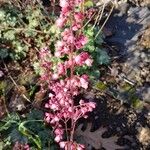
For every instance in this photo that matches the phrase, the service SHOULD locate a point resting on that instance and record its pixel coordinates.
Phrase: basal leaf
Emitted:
(102, 57)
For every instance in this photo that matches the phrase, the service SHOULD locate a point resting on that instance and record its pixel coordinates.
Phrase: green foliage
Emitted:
(3, 53)
(98, 54)
(23, 28)
(30, 130)
(101, 86)
(88, 3)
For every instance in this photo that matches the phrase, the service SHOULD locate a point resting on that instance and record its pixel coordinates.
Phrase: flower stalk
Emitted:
(61, 78)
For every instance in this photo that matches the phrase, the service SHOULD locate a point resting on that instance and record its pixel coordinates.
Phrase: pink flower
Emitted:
(68, 36)
(59, 45)
(76, 26)
(62, 144)
(60, 22)
(66, 11)
(59, 76)
(84, 83)
(55, 76)
(81, 102)
(81, 59)
(19, 146)
(89, 62)
(58, 53)
(66, 50)
(61, 69)
(1, 73)
(77, 2)
(81, 41)
(78, 16)
(57, 139)
(64, 3)
(58, 131)
(72, 145)
(47, 118)
(68, 63)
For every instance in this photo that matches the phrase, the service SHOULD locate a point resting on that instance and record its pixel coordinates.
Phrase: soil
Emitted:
(127, 40)
(130, 46)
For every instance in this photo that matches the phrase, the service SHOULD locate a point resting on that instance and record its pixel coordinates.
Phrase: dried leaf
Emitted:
(144, 135)
(18, 98)
(95, 139)
(38, 98)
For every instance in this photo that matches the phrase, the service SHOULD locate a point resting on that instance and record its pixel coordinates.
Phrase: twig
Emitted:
(6, 109)
(99, 16)
(11, 78)
(105, 22)
(20, 29)
(88, 20)
(125, 78)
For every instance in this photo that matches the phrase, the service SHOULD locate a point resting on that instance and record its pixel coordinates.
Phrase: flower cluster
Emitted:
(60, 75)
(71, 145)
(19, 146)
(1, 74)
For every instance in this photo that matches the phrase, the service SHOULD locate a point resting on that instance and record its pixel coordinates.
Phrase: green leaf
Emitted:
(101, 86)
(2, 15)
(44, 133)
(54, 29)
(30, 33)
(9, 35)
(33, 23)
(16, 136)
(3, 53)
(94, 74)
(88, 3)
(7, 122)
(1, 145)
(29, 134)
(102, 57)
(37, 69)
(89, 31)
(35, 115)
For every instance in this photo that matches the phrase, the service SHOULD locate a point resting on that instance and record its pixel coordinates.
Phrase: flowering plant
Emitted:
(58, 70)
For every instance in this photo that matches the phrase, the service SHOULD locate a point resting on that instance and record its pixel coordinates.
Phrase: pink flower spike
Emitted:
(59, 77)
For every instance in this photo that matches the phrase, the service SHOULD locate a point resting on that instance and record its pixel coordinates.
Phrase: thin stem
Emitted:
(11, 78)
(72, 131)
(6, 109)
(105, 22)
(100, 17)
(20, 29)
(99, 12)
(66, 129)
(88, 21)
